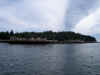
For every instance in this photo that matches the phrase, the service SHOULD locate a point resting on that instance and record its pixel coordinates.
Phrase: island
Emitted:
(45, 37)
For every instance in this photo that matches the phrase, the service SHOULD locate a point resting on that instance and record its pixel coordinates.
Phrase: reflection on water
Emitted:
(52, 59)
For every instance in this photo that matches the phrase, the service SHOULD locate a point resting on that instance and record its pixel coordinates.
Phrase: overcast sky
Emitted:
(82, 16)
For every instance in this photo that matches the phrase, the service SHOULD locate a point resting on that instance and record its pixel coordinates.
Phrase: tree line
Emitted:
(49, 35)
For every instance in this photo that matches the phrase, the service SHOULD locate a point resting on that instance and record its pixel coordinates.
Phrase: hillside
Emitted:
(49, 35)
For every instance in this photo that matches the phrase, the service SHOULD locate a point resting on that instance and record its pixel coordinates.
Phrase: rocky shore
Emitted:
(43, 42)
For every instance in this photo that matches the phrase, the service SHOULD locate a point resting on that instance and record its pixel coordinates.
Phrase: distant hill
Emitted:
(49, 35)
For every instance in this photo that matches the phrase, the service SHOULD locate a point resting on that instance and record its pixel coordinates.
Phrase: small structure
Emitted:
(32, 38)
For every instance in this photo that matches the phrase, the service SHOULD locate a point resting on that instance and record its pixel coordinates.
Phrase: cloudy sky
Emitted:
(81, 16)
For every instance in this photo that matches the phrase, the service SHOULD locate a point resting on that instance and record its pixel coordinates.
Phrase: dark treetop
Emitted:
(49, 35)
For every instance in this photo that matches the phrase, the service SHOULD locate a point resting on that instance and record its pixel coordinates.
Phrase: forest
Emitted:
(49, 35)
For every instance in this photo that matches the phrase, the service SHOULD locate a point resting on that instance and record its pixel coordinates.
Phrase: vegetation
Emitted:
(49, 35)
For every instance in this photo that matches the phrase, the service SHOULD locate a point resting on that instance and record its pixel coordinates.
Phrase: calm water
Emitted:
(52, 59)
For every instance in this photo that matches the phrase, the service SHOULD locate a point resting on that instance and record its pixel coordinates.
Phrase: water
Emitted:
(52, 59)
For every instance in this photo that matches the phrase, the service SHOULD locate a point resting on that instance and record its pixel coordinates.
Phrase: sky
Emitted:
(81, 16)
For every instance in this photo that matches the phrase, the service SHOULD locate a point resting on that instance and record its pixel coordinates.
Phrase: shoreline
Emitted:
(44, 42)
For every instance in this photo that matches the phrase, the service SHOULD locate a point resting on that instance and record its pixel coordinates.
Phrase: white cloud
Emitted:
(89, 24)
(33, 14)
